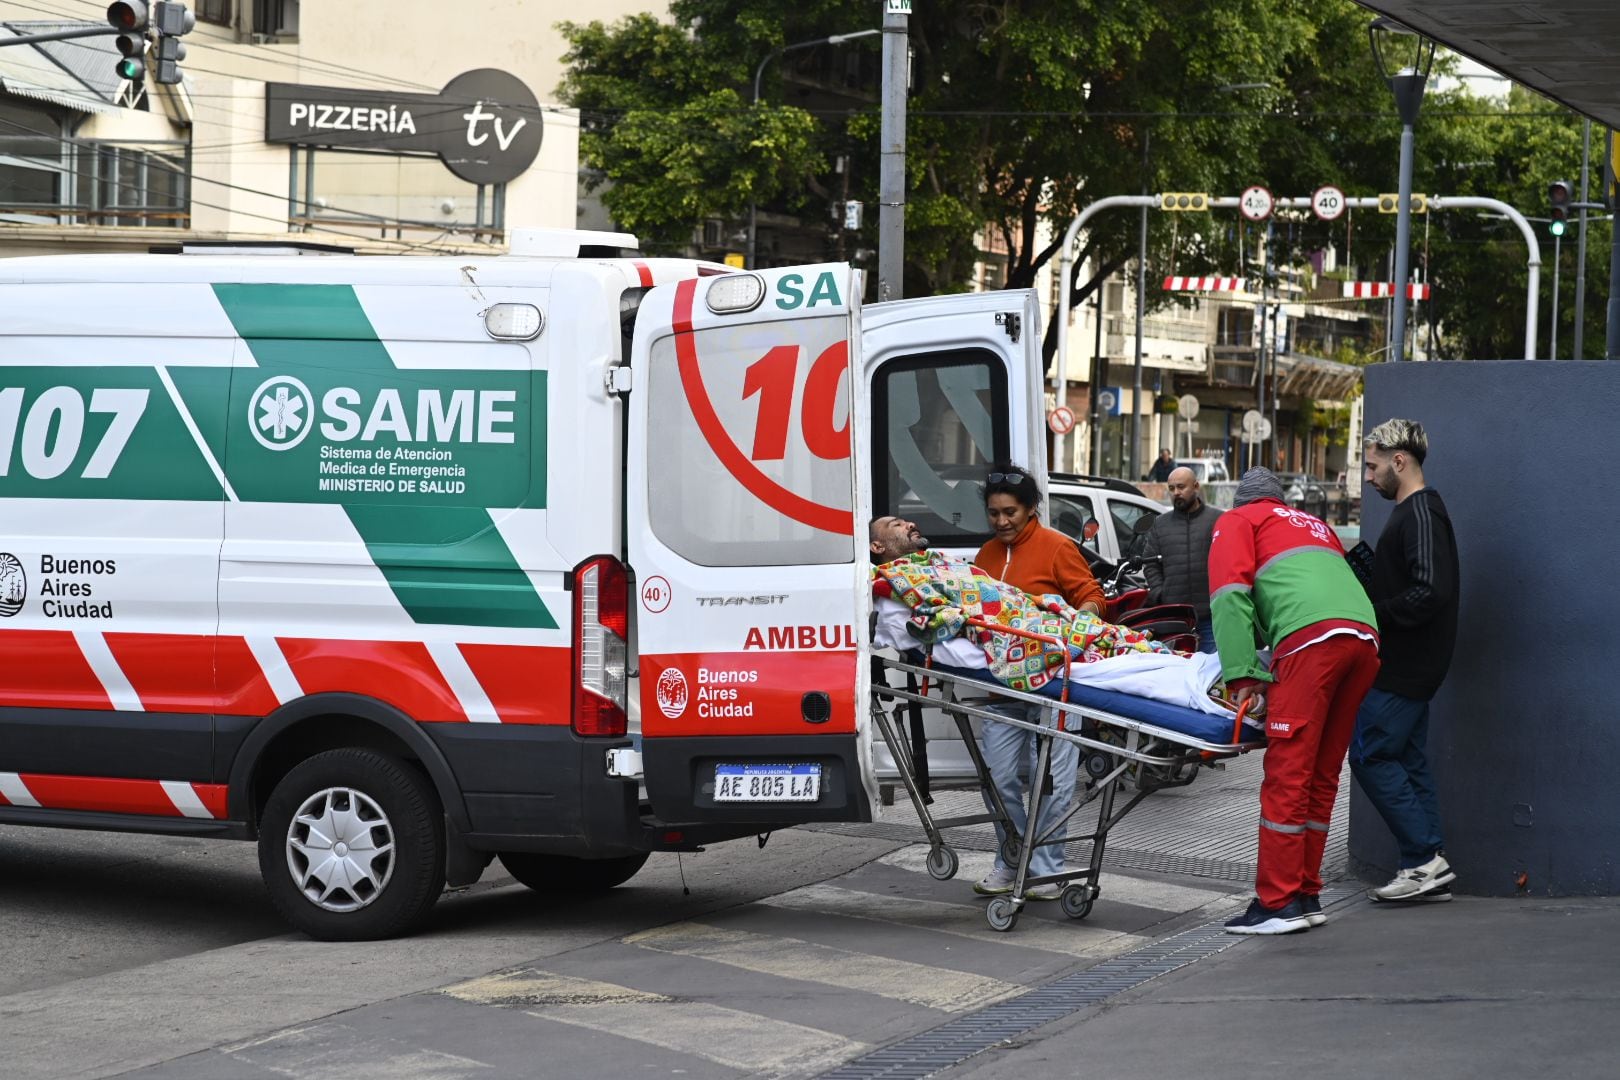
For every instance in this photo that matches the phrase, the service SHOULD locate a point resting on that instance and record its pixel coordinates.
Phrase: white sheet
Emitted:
(1176, 680)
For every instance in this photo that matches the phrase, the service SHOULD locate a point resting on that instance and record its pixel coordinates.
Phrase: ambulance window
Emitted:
(749, 483)
(938, 422)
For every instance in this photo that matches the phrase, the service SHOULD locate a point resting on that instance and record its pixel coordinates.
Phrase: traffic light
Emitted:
(1391, 204)
(172, 22)
(1559, 196)
(130, 18)
(1183, 200)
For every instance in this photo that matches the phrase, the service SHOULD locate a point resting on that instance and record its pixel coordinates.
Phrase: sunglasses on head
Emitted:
(1005, 477)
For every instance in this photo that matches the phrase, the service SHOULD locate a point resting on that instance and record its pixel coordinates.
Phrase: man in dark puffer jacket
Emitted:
(1181, 538)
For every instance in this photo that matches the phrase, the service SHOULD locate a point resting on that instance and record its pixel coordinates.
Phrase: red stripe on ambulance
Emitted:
(169, 672)
(401, 673)
(154, 798)
(515, 678)
(243, 689)
(46, 669)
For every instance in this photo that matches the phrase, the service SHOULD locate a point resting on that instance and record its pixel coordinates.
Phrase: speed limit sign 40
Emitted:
(1328, 203)
(1256, 203)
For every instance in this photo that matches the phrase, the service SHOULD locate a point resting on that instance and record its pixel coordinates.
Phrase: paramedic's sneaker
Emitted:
(1414, 881)
(1312, 907)
(997, 882)
(1044, 892)
(1259, 919)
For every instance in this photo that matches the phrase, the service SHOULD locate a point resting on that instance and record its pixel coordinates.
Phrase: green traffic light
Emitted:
(131, 68)
(1556, 228)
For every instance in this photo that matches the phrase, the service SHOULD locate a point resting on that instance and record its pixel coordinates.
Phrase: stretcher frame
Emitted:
(1125, 744)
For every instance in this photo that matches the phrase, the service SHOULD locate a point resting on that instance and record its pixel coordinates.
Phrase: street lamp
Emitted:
(759, 72)
(1405, 60)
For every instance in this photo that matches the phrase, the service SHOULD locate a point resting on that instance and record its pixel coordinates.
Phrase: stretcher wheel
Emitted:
(942, 863)
(1010, 847)
(1001, 914)
(1098, 765)
(1076, 901)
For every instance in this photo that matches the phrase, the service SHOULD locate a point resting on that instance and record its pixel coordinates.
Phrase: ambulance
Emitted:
(397, 565)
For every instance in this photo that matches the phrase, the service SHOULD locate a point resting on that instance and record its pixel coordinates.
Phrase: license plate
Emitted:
(767, 783)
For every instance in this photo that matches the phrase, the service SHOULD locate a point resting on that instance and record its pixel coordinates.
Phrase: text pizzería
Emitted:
(716, 696)
(65, 598)
(394, 120)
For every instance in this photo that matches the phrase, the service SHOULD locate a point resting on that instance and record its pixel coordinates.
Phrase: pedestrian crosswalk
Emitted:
(788, 986)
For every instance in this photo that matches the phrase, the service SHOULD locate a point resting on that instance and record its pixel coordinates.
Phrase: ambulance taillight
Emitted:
(601, 633)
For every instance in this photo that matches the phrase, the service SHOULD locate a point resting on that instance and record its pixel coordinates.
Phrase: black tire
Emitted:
(413, 872)
(563, 873)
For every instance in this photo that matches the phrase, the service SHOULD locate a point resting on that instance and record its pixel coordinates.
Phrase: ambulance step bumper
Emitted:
(681, 778)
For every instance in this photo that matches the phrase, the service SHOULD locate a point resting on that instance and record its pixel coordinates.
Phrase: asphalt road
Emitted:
(160, 958)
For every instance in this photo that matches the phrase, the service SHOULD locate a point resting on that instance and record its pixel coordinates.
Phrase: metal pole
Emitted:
(1552, 347)
(1403, 237)
(753, 205)
(1060, 385)
(1267, 330)
(1580, 248)
(64, 35)
(892, 160)
(1134, 457)
(1099, 367)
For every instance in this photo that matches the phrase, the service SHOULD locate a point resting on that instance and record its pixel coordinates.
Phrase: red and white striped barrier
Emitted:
(1381, 290)
(1203, 284)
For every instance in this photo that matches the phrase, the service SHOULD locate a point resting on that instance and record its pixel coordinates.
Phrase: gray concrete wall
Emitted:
(1525, 733)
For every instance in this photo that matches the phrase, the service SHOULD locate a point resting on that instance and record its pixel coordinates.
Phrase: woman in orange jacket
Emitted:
(1039, 561)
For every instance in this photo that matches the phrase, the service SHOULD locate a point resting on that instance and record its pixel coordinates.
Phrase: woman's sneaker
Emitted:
(1312, 907)
(998, 882)
(1259, 919)
(1415, 881)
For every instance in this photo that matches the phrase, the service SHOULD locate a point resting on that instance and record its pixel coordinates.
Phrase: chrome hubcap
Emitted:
(340, 849)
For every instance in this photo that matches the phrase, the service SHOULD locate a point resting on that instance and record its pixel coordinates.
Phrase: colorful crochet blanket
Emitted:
(943, 593)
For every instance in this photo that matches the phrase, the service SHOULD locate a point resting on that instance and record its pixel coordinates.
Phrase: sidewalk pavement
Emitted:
(1469, 988)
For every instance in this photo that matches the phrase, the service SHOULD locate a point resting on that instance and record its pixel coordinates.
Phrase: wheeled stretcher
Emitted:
(1119, 735)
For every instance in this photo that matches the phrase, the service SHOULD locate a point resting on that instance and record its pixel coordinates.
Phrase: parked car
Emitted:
(1101, 514)
(1206, 470)
(1305, 493)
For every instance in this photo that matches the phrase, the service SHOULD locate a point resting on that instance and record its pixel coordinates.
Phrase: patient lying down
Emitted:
(926, 599)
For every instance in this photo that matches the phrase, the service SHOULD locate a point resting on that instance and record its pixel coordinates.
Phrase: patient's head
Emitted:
(893, 537)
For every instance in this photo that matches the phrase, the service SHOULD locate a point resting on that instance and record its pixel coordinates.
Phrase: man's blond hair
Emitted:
(1406, 436)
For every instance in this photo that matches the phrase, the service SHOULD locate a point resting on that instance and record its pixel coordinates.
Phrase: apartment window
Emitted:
(272, 17)
(213, 11)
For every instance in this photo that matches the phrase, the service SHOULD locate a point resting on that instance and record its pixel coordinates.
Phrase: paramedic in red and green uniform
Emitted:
(1279, 575)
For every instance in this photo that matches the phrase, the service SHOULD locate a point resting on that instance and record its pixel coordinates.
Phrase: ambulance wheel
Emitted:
(351, 846)
(1076, 901)
(942, 863)
(1001, 914)
(564, 873)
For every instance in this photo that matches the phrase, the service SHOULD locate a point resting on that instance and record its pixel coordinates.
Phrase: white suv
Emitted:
(1122, 513)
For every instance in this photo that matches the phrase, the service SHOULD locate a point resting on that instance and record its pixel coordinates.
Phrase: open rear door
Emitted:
(742, 520)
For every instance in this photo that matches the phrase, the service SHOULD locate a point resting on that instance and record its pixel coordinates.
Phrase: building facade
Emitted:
(397, 126)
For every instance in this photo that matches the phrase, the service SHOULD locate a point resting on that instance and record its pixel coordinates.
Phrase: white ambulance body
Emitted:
(362, 557)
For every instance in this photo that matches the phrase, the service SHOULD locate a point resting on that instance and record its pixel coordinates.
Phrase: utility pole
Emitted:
(1580, 248)
(892, 151)
(1558, 245)
(1141, 314)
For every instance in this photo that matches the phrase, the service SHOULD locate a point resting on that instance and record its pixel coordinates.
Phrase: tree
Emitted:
(1022, 111)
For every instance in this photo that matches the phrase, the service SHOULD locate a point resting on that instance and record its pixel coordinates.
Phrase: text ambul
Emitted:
(777, 638)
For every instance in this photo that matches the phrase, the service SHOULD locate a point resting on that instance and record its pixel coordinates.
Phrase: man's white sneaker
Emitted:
(1044, 892)
(1415, 881)
(998, 882)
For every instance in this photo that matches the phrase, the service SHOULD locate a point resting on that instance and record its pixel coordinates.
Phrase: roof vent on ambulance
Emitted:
(573, 244)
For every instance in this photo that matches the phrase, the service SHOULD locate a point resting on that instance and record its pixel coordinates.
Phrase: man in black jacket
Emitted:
(1414, 595)
(1181, 539)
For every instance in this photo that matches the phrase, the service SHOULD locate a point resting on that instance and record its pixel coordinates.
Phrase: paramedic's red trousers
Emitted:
(1310, 717)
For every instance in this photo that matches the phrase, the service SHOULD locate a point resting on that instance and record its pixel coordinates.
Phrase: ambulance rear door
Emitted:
(749, 578)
